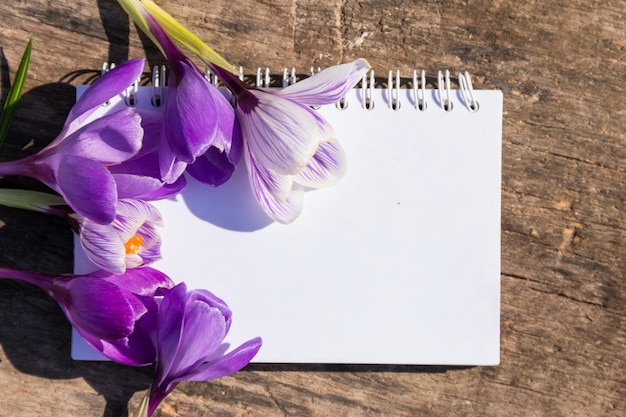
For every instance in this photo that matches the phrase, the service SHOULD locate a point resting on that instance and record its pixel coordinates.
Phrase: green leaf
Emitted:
(15, 93)
(30, 200)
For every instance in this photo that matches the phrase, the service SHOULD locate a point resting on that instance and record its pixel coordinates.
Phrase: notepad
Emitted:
(399, 263)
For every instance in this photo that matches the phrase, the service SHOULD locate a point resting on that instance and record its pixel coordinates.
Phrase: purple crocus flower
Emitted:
(75, 163)
(191, 327)
(116, 314)
(197, 118)
(287, 145)
(130, 241)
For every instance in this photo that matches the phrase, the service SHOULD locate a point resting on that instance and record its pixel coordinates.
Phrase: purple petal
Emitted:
(152, 124)
(327, 166)
(111, 139)
(228, 137)
(236, 144)
(213, 168)
(144, 165)
(140, 178)
(141, 281)
(266, 186)
(212, 300)
(327, 86)
(171, 168)
(88, 187)
(136, 186)
(99, 308)
(227, 364)
(165, 191)
(109, 85)
(133, 351)
(196, 113)
(169, 329)
(204, 329)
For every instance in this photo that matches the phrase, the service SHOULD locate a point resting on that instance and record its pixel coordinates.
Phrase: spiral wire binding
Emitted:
(263, 81)
(287, 78)
(394, 93)
(467, 91)
(443, 91)
(419, 91)
(367, 99)
(368, 84)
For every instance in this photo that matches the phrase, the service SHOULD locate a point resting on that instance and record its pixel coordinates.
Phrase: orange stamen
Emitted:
(133, 244)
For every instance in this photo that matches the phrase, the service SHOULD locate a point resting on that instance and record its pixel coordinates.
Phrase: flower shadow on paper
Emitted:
(232, 205)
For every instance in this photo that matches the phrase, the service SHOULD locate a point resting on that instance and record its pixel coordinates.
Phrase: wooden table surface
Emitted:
(561, 67)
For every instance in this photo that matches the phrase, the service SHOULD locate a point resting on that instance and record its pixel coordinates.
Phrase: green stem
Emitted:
(142, 411)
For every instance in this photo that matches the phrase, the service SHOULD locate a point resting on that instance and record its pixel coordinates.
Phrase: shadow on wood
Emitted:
(35, 337)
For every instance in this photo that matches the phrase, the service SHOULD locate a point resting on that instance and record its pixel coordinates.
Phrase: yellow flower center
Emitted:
(133, 244)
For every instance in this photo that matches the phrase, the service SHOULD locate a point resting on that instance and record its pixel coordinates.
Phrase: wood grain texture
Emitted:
(561, 66)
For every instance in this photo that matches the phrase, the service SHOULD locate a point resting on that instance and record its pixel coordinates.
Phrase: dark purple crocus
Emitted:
(115, 314)
(197, 118)
(191, 328)
(76, 163)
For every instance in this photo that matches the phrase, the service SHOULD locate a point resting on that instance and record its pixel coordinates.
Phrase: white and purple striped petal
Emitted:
(327, 86)
(130, 241)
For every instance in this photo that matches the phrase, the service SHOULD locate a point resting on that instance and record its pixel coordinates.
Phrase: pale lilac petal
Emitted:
(150, 255)
(149, 233)
(132, 261)
(327, 86)
(111, 139)
(132, 214)
(281, 134)
(102, 246)
(266, 185)
(267, 182)
(328, 165)
(109, 85)
(227, 364)
(88, 187)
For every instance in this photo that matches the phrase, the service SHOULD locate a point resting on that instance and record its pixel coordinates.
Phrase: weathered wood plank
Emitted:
(561, 66)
